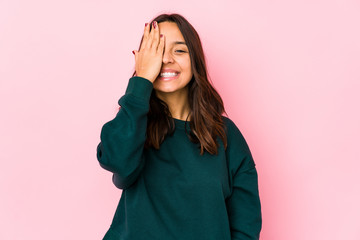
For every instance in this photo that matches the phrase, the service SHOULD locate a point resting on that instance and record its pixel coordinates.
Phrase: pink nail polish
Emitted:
(154, 24)
(146, 24)
(161, 35)
(133, 52)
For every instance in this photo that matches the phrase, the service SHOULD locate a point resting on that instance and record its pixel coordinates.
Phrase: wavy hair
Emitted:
(206, 105)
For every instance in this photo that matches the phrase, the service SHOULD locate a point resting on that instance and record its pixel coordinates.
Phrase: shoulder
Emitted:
(237, 147)
(234, 134)
(229, 124)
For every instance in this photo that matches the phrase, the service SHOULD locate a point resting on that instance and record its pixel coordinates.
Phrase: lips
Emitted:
(168, 70)
(168, 74)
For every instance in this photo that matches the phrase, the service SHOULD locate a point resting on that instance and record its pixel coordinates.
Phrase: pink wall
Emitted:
(288, 72)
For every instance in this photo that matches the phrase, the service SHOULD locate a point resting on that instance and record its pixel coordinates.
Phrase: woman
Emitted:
(185, 170)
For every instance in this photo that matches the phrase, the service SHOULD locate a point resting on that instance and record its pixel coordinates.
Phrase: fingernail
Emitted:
(161, 35)
(133, 52)
(146, 24)
(154, 24)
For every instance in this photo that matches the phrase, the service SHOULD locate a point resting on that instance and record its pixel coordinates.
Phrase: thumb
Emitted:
(135, 52)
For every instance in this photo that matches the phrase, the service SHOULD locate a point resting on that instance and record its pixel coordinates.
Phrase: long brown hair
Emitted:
(206, 105)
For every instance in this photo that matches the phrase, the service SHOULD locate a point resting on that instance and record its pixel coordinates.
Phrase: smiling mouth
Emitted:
(164, 76)
(168, 74)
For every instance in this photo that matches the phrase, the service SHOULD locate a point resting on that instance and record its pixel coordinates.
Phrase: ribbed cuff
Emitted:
(140, 87)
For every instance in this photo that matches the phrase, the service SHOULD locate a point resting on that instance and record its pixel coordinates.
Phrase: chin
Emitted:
(165, 90)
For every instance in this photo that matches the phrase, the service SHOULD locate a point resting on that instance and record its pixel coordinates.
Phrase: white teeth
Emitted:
(168, 74)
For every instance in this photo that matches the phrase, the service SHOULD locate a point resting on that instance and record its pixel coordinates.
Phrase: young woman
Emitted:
(185, 170)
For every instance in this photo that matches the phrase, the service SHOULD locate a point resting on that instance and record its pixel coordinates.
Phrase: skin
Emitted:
(159, 52)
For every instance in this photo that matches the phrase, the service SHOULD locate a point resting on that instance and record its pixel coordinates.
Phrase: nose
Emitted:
(167, 57)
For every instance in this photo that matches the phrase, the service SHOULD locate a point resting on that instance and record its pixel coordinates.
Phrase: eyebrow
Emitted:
(178, 42)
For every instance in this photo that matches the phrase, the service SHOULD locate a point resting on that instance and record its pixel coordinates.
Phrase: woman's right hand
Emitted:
(148, 59)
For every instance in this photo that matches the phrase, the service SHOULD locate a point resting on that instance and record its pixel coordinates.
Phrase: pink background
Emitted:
(288, 72)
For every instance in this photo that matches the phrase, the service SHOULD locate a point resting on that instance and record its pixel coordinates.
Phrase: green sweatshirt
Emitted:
(175, 193)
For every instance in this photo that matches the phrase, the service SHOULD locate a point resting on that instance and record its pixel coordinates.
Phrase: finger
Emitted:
(156, 36)
(151, 35)
(146, 29)
(135, 52)
(135, 55)
(160, 48)
(145, 36)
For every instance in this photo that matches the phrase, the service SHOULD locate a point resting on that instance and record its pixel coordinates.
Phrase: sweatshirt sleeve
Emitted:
(122, 139)
(243, 205)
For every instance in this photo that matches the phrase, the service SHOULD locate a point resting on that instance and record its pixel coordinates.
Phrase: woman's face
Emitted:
(175, 72)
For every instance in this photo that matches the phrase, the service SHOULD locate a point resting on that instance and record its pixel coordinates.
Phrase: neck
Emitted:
(177, 102)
